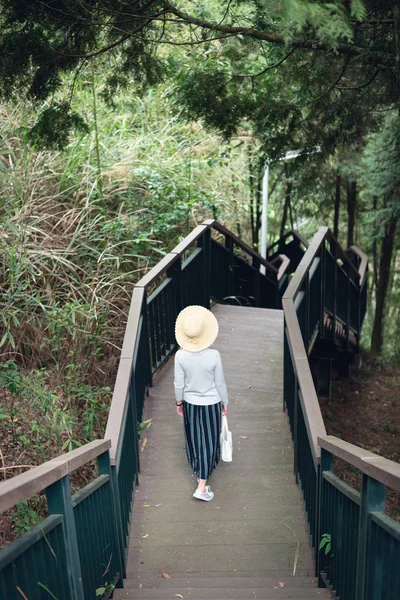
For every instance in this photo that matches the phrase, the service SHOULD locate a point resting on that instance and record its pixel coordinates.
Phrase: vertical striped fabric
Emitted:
(202, 430)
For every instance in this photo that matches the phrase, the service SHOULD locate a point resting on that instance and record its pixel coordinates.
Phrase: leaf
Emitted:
(166, 575)
(146, 505)
(143, 444)
(145, 536)
(328, 548)
(140, 585)
(47, 590)
(280, 585)
(325, 541)
(244, 437)
(179, 595)
(158, 504)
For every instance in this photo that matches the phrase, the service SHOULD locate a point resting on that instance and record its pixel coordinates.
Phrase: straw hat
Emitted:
(196, 328)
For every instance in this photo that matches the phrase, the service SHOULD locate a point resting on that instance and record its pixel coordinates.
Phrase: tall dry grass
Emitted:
(77, 229)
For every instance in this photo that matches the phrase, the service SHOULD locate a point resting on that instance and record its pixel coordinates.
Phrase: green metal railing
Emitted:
(364, 558)
(324, 306)
(73, 551)
(293, 245)
(82, 545)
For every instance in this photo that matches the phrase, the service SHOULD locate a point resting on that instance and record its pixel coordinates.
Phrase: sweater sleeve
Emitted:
(220, 381)
(179, 378)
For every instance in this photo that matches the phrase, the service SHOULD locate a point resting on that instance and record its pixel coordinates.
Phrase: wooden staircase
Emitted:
(267, 585)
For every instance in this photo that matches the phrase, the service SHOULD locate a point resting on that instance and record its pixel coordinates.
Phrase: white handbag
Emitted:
(226, 441)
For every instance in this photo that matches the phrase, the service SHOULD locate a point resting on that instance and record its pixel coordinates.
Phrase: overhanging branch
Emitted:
(274, 38)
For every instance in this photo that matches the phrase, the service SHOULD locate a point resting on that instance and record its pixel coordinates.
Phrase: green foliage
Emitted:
(24, 517)
(326, 542)
(381, 164)
(104, 589)
(69, 257)
(53, 128)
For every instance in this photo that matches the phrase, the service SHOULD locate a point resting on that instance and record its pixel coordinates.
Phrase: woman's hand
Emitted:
(225, 410)
(179, 409)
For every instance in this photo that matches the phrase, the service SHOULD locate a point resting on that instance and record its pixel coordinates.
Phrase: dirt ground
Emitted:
(365, 410)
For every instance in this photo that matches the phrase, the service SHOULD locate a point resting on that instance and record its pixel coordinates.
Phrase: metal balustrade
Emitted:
(326, 300)
(82, 545)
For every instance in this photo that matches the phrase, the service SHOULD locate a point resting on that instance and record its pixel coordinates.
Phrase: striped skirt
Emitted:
(202, 430)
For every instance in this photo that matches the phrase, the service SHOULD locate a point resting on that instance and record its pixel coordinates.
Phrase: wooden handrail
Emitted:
(31, 482)
(285, 261)
(167, 261)
(295, 234)
(312, 412)
(35, 480)
(363, 264)
(122, 382)
(218, 227)
(382, 469)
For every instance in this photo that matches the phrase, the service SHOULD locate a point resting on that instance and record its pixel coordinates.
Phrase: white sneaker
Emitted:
(207, 495)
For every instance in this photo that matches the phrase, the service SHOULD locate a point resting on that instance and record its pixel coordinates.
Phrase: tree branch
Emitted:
(359, 87)
(268, 67)
(346, 49)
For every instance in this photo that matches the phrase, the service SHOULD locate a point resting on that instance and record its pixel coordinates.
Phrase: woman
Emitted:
(199, 392)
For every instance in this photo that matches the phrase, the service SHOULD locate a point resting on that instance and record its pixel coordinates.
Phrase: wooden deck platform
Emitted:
(253, 533)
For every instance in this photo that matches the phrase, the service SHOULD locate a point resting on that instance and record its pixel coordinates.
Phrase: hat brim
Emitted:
(207, 336)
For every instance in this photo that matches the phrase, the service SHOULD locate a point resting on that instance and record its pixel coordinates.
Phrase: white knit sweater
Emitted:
(199, 377)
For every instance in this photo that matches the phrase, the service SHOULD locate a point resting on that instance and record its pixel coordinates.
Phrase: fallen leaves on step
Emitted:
(145, 536)
(166, 575)
(143, 444)
(146, 505)
(244, 437)
(179, 595)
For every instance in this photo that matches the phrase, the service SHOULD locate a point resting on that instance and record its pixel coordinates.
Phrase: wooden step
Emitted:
(221, 582)
(227, 593)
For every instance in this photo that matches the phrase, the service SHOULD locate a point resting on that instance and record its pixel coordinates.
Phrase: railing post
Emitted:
(105, 469)
(307, 301)
(256, 281)
(325, 465)
(114, 477)
(59, 503)
(175, 273)
(229, 246)
(204, 243)
(348, 307)
(373, 499)
(334, 302)
(145, 325)
(296, 403)
(322, 292)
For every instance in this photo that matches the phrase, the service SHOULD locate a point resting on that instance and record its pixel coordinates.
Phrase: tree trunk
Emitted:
(286, 207)
(351, 211)
(254, 233)
(258, 211)
(383, 284)
(375, 250)
(337, 207)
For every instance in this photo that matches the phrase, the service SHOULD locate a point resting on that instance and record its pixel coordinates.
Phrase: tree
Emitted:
(42, 41)
(382, 178)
